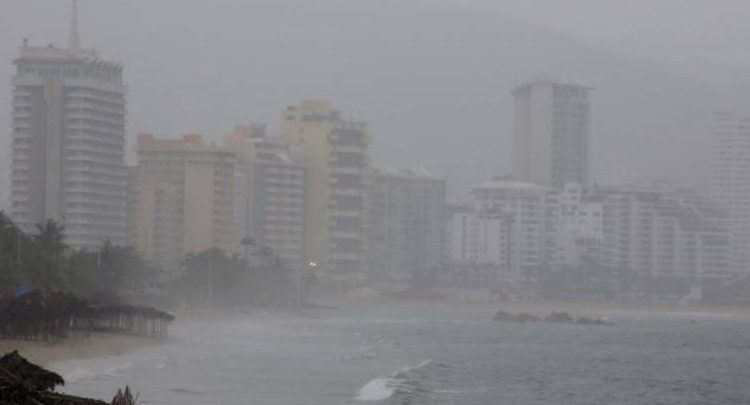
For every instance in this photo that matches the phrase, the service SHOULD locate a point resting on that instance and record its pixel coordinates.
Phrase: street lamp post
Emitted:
(299, 279)
(210, 279)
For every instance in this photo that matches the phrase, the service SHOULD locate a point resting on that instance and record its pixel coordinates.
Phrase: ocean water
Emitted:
(431, 354)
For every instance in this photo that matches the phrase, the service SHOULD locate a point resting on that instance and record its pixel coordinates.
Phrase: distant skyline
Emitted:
(433, 79)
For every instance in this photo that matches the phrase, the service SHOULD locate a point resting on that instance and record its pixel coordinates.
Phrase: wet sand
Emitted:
(94, 345)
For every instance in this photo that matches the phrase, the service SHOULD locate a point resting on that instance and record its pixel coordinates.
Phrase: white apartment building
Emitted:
(511, 231)
(659, 231)
(650, 231)
(581, 230)
(68, 134)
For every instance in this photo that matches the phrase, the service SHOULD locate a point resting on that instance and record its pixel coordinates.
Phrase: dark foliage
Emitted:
(43, 261)
(215, 279)
(25, 383)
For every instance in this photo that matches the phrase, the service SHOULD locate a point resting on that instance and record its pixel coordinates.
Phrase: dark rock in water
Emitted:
(584, 321)
(559, 317)
(554, 317)
(591, 321)
(502, 316)
(526, 317)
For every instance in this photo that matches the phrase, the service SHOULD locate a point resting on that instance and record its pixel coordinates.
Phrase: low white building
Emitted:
(515, 230)
(661, 231)
(580, 225)
(509, 236)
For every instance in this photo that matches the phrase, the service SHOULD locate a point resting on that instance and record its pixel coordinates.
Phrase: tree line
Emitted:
(43, 261)
(212, 278)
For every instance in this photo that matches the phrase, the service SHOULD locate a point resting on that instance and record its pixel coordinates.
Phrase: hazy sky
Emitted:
(433, 78)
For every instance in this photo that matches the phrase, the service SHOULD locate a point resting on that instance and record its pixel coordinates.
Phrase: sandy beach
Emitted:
(94, 345)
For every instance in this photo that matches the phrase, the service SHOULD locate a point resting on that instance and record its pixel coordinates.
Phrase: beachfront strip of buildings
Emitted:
(311, 194)
(515, 232)
(308, 193)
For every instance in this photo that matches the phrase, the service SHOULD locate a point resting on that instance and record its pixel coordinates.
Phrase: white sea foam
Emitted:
(378, 389)
(79, 374)
(86, 373)
(381, 388)
(421, 365)
(118, 370)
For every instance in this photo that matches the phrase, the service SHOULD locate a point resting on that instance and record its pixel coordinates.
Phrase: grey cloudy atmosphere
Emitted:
(432, 78)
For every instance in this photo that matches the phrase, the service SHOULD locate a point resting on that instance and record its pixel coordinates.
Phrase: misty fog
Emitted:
(433, 78)
(375, 201)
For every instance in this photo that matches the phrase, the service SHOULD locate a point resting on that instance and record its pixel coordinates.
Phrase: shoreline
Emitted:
(76, 348)
(98, 344)
(544, 307)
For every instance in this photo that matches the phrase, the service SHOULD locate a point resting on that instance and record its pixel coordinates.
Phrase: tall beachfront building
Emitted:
(731, 185)
(68, 137)
(275, 178)
(337, 153)
(183, 198)
(551, 134)
(405, 223)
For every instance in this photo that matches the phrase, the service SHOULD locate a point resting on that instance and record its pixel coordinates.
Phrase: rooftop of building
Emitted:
(73, 52)
(548, 82)
(509, 183)
(187, 143)
(414, 172)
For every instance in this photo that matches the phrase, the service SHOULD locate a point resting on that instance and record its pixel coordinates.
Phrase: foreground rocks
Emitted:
(25, 383)
(554, 317)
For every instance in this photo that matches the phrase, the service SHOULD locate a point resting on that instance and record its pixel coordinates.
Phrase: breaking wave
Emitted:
(86, 374)
(378, 389)
(407, 386)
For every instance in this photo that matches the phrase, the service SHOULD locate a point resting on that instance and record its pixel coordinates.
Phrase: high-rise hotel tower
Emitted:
(337, 155)
(731, 185)
(68, 135)
(551, 134)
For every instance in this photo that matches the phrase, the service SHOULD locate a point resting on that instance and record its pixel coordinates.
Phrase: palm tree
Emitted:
(49, 242)
(121, 267)
(10, 245)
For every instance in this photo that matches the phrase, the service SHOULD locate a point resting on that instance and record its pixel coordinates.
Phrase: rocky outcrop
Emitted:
(592, 321)
(523, 317)
(554, 317)
(559, 317)
(25, 383)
